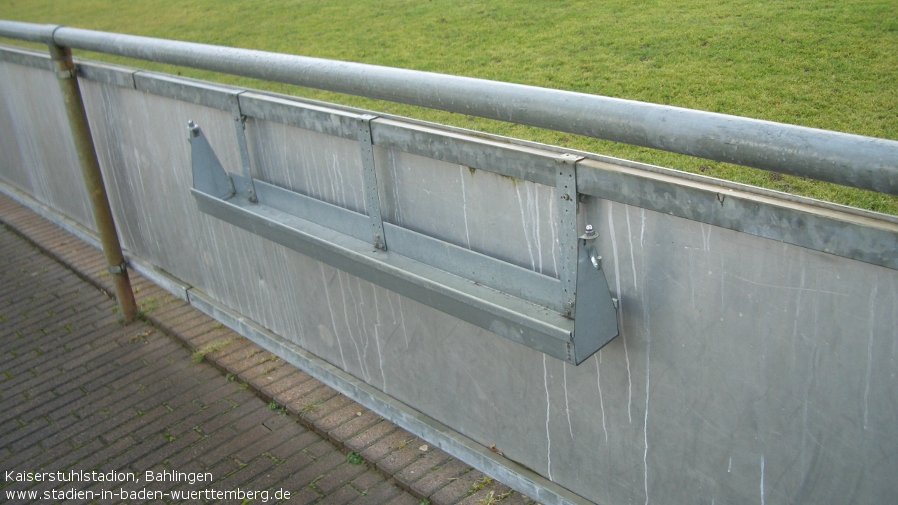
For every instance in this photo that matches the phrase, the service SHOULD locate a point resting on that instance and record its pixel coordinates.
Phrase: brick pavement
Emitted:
(177, 391)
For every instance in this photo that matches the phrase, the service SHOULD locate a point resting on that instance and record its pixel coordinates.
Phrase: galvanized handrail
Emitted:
(841, 158)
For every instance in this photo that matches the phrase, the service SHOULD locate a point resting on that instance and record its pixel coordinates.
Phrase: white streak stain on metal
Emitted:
(632, 251)
(364, 324)
(869, 355)
(524, 226)
(812, 368)
(533, 204)
(464, 200)
(567, 406)
(553, 226)
(791, 288)
(648, 372)
(762, 479)
(797, 309)
(706, 238)
(730, 466)
(380, 357)
(598, 357)
(620, 311)
(330, 309)
(402, 320)
(548, 436)
(362, 368)
(395, 187)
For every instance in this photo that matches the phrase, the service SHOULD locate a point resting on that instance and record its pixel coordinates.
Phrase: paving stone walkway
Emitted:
(178, 395)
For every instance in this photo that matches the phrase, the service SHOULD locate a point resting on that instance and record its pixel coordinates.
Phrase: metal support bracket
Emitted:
(372, 198)
(246, 163)
(67, 74)
(118, 269)
(596, 322)
(508, 300)
(208, 174)
(566, 191)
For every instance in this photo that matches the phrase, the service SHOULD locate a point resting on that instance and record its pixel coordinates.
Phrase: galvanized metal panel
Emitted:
(107, 74)
(861, 236)
(322, 166)
(520, 162)
(217, 96)
(499, 216)
(25, 57)
(144, 182)
(38, 152)
(746, 368)
(293, 112)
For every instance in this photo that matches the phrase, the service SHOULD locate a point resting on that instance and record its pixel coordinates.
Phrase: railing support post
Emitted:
(93, 179)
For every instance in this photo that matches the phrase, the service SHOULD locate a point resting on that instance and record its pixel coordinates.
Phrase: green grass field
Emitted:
(823, 64)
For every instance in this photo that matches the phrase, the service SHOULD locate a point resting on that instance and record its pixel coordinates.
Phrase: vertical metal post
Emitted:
(566, 190)
(372, 198)
(93, 178)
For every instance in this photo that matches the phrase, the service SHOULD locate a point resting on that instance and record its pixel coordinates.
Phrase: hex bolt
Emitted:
(589, 229)
(565, 197)
(194, 129)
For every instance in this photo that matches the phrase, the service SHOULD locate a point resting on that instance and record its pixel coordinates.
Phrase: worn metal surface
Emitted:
(438, 434)
(38, 152)
(852, 160)
(747, 369)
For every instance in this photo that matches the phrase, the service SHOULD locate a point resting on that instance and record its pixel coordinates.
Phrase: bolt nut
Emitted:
(194, 129)
(565, 197)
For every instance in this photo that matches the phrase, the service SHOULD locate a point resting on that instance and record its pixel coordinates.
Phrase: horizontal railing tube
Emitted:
(841, 158)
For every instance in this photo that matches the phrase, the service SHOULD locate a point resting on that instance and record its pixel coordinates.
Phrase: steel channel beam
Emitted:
(517, 281)
(852, 160)
(534, 326)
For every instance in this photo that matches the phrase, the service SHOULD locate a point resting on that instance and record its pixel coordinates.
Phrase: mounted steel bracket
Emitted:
(513, 302)
(208, 174)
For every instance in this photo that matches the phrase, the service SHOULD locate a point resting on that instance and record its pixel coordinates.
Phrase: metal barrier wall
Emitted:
(757, 348)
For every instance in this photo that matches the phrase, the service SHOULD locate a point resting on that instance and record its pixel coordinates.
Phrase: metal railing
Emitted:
(841, 158)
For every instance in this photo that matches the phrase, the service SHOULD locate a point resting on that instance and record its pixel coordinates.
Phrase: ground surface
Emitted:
(178, 392)
(817, 63)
